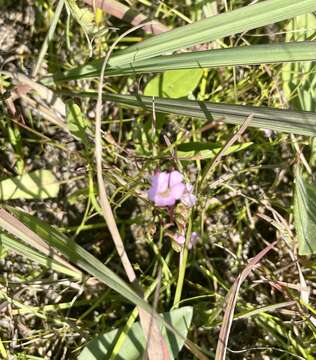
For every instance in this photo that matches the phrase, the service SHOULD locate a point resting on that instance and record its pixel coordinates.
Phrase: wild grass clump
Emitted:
(157, 180)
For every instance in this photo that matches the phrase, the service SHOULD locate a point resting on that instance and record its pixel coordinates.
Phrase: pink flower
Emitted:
(166, 188)
(180, 239)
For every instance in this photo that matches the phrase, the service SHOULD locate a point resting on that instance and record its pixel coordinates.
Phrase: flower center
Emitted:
(165, 193)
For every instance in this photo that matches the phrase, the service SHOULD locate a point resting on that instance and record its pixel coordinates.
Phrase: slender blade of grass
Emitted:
(209, 29)
(296, 122)
(246, 55)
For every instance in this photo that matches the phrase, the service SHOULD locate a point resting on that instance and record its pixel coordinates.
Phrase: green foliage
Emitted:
(135, 342)
(77, 255)
(174, 84)
(299, 79)
(296, 122)
(77, 124)
(210, 29)
(305, 215)
(231, 214)
(239, 55)
(204, 151)
(82, 15)
(38, 184)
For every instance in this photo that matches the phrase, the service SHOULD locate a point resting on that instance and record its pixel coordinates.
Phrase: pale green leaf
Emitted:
(305, 215)
(77, 123)
(299, 79)
(135, 343)
(82, 15)
(202, 151)
(38, 184)
(174, 83)
(76, 254)
(8, 242)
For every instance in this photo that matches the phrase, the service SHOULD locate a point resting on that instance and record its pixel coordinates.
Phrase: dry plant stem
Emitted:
(127, 14)
(157, 348)
(231, 300)
(229, 143)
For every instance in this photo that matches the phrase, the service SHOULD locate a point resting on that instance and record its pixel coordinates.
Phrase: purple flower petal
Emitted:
(175, 178)
(159, 183)
(177, 190)
(162, 181)
(164, 200)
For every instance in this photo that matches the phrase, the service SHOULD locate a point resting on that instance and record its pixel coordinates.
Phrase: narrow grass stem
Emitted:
(211, 165)
(183, 265)
(48, 37)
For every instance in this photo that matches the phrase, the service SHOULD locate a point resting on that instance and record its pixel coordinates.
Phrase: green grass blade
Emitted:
(16, 245)
(247, 55)
(209, 29)
(305, 215)
(78, 256)
(296, 122)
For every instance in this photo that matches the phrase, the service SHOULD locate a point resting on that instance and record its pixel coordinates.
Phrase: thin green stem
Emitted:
(183, 265)
(48, 37)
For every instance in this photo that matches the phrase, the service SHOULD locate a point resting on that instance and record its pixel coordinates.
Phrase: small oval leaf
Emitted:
(174, 83)
(38, 184)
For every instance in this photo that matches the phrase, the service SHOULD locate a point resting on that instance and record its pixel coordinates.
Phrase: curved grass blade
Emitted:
(16, 245)
(247, 55)
(71, 251)
(22, 222)
(296, 122)
(209, 29)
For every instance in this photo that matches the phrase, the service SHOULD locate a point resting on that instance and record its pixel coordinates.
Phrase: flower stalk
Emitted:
(183, 264)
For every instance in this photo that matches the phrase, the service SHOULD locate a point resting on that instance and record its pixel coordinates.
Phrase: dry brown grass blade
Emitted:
(231, 300)
(14, 226)
(156, 348)
(128, 15)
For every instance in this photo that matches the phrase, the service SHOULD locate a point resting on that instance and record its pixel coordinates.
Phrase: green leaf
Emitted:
(296, 122)
(209, 29)
(135, 343)
(305, 215)
(74, 253)
(77, 124)
(83, 16)
(39, 184)
(245, 55)
(299, 79)
(10, 243)
(174, 84)
(202, 151)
